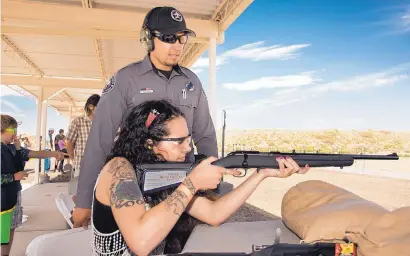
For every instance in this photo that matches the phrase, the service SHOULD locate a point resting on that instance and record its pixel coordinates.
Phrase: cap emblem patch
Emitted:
(176, 15)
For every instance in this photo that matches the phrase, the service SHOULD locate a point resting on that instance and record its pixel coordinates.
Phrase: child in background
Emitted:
(61, 146)
(13, 158)
(12, 166)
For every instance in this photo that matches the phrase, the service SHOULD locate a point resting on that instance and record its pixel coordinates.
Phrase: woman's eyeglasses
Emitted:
(172, 38)
(180, 140)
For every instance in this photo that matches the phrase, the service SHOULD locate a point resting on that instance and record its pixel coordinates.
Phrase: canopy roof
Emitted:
(67, 49)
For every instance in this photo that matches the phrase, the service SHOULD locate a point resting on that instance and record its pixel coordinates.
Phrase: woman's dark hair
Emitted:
(92, 100)
(131, 142)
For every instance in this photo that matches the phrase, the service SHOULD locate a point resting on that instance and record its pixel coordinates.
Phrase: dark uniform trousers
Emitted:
(130, 86)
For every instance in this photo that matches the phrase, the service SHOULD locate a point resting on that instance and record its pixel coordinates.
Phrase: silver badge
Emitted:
(110, 85)
(176, 15)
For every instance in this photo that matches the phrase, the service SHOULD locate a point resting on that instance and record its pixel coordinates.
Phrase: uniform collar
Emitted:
(146, 66)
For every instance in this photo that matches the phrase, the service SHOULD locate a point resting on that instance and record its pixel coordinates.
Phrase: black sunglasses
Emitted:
(180, 140)
(172, 38)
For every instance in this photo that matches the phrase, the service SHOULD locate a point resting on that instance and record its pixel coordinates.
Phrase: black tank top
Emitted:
(104, 223)
(103, 219)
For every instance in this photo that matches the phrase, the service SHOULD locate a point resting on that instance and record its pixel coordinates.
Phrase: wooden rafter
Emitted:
(28, 63)
(97, 45)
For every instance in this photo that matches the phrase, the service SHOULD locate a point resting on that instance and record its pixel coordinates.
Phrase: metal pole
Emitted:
(38, 132)
(44, 133)
(212, 77)
(223, 132)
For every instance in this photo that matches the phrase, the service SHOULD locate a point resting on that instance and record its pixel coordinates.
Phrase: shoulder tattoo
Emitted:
(124, 189)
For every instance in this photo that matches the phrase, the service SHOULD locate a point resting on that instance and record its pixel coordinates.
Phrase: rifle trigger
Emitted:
(245, 161)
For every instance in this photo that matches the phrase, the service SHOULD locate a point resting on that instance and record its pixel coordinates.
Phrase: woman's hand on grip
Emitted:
(207, 176)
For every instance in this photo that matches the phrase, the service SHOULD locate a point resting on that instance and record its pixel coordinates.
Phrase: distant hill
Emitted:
(326, 141)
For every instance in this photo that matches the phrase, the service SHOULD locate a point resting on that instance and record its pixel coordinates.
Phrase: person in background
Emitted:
(26, 142)
(13, 158)
(62, 147)
(56, 147)
(77, 138)
(50, 135)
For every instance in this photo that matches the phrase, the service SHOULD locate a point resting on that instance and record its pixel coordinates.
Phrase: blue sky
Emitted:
(303, 64)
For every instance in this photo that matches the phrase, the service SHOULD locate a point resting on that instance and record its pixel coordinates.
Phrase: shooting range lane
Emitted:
(388, 192)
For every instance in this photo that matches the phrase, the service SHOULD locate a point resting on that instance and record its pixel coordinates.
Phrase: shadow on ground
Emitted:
(251, 213)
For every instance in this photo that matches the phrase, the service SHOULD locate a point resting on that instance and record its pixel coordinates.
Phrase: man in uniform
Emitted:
(158, 76)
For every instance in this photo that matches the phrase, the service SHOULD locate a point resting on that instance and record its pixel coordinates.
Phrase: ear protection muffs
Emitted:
(146, 38)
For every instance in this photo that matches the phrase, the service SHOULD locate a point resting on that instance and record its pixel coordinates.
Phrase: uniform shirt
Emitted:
(130, 86)
(78, 134)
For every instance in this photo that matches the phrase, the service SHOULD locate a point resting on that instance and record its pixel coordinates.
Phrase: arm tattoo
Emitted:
(188, 183)
(124, 190)
(175, 202)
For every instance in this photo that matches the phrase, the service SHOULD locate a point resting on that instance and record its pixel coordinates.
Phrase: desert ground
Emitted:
(391, 193)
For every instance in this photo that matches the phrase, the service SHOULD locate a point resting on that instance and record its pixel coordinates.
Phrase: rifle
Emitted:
(161, 176)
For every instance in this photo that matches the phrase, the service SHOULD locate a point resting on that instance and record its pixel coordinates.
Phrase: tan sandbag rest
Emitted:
(387, 235)
(319, 211)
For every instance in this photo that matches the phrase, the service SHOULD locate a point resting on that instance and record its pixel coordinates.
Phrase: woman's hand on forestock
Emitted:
(287, 167)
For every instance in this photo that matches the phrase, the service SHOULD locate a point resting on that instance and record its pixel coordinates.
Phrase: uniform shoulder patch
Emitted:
(110, 85)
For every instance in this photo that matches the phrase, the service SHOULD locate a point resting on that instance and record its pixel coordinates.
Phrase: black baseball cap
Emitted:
(167, 20)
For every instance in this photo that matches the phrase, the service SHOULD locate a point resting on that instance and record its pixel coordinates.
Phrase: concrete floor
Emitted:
(43, 215)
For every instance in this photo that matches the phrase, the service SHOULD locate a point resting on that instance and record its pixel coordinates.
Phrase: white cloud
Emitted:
(254, 51)
(405, 21)
(12, 106)
(197, 70)
(396, 22)
(203, 62)
(359, 83)
(6, 91)
(302, 79)
(257, 52)
(13, 114)
(287, 96)
(12, 109)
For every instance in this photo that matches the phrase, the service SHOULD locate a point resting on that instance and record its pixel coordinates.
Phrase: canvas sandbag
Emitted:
(319, 211)
(386, 235)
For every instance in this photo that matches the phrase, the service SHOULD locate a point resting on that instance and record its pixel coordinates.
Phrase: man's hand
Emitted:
(81, 217)
(59, 155)
(21, 175)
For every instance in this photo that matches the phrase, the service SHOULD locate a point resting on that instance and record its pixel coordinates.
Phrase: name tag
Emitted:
(160, 180)
(146, 90)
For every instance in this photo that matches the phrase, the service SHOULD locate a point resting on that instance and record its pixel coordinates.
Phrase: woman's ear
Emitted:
(149, 144)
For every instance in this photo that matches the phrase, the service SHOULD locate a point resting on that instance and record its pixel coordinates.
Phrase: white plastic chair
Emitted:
(65, 205)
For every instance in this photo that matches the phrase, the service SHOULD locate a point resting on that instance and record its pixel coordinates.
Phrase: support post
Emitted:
(38, 133)
(70, 118)
(212, 78)
(44, 133)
